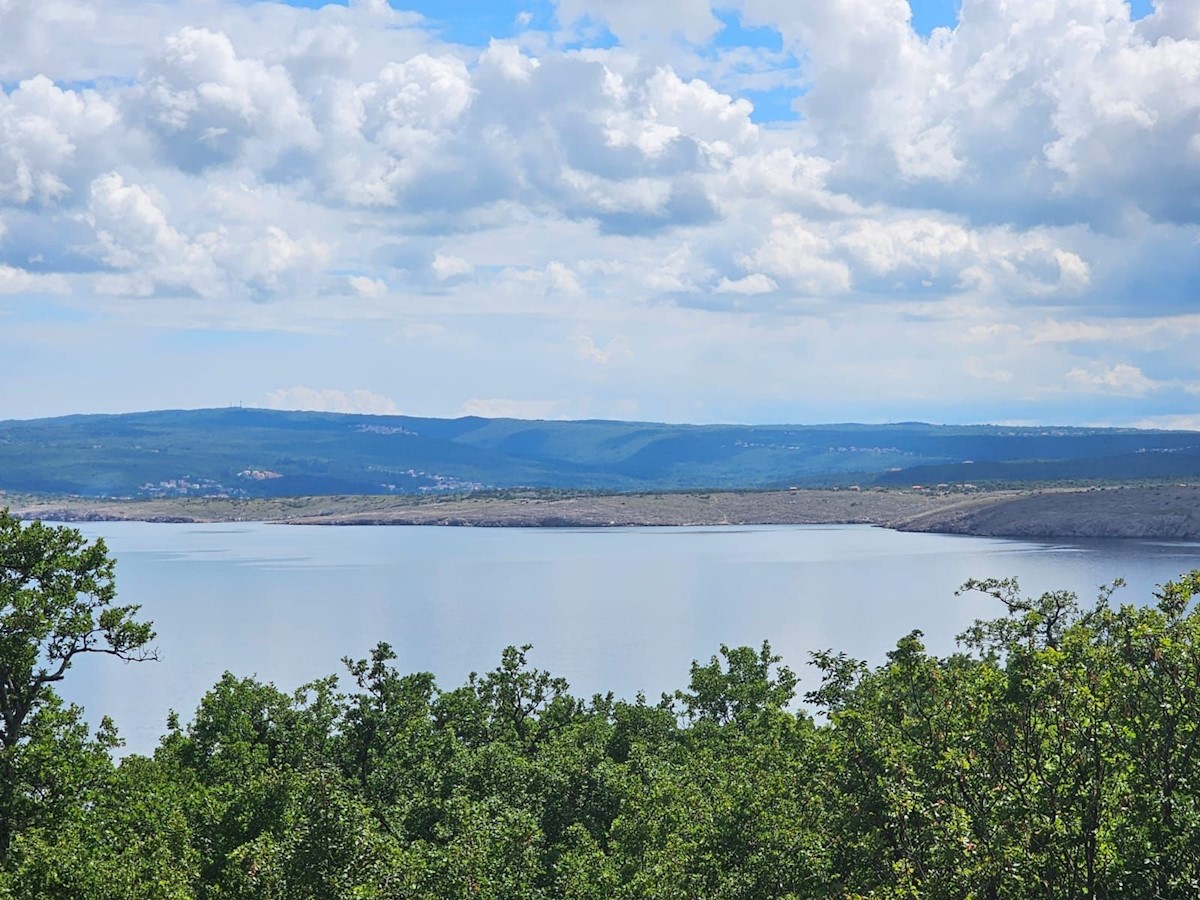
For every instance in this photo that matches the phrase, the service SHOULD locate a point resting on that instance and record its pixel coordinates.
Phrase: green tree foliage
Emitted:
(125, 837)
(56, 604)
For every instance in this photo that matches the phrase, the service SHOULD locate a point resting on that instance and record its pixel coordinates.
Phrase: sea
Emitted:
(621, 610)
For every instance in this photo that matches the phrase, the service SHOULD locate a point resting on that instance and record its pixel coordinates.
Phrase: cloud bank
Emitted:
(995, 220)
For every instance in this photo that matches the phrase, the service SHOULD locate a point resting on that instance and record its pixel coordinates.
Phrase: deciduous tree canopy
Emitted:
(56, 603)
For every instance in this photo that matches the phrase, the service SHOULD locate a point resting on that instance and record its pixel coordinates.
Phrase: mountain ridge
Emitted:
(247, 452)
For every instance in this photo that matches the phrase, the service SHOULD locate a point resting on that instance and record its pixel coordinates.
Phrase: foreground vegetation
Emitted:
(1054, 756)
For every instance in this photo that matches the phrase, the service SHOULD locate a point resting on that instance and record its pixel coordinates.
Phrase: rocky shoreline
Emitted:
(1146, 512)
(1163, 512)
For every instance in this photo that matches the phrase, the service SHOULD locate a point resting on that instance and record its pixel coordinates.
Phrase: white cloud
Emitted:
(49, 139)
(1025, 104)
(424, 92)
(20, 281)
(267, 263)
(930, 154)
(379, 136)
(208, 105)
(927, 244)
(447, 265)
(694, 108)
(1174, 422)
(135, 237)
(797, 180)
(133, 234)
(1121, 378)
(756, 283)
(509, 61)
(368, 287)
(819, 256)
(801, 257)
(331, 400)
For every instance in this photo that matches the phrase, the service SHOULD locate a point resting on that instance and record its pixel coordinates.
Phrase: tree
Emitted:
(56, 603)
(740, 691)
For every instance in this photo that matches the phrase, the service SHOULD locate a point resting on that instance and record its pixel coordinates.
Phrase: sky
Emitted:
(690, 211)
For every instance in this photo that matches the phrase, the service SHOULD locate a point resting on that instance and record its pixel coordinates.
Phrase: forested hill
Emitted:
(263, 453)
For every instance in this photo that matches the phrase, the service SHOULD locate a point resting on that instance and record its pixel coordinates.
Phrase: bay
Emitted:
(609, 609)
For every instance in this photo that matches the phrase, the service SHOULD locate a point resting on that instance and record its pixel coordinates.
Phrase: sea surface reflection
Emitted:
(610, 609)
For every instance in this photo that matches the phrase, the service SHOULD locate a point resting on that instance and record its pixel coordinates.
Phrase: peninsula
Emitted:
(1154, 511)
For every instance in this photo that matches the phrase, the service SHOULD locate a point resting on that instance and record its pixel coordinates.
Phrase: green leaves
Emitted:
(56, 595)
(738, 688)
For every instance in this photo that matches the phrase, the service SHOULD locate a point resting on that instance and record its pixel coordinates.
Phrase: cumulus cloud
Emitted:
(1121, 378)
(50, 138)
(756, 283)
(20, 281)
(822, 257)
(379, 136)
(666, 108)
(802, 257)
(134, 235)
(208, 105)
(366, 286)
(137, 240)
(331, 400)
(447, 265)
(1025, 107)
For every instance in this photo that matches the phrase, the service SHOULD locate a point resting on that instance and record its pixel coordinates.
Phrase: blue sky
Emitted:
(753, 210)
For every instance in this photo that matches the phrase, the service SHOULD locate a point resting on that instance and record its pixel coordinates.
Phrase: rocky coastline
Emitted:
(1158, 512)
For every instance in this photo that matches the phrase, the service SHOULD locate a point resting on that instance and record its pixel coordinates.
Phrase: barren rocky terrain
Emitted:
(531, 509)
(1164, 512)
(1168, 512)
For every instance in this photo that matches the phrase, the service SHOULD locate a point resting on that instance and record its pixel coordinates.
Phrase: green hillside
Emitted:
(265, 453)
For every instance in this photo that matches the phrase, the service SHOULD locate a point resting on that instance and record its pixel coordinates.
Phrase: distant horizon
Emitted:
(714, 424)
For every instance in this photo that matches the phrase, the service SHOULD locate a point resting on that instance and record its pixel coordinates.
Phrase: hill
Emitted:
(255, 453)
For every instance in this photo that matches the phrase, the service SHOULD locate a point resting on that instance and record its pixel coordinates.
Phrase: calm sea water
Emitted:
(609, 609)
